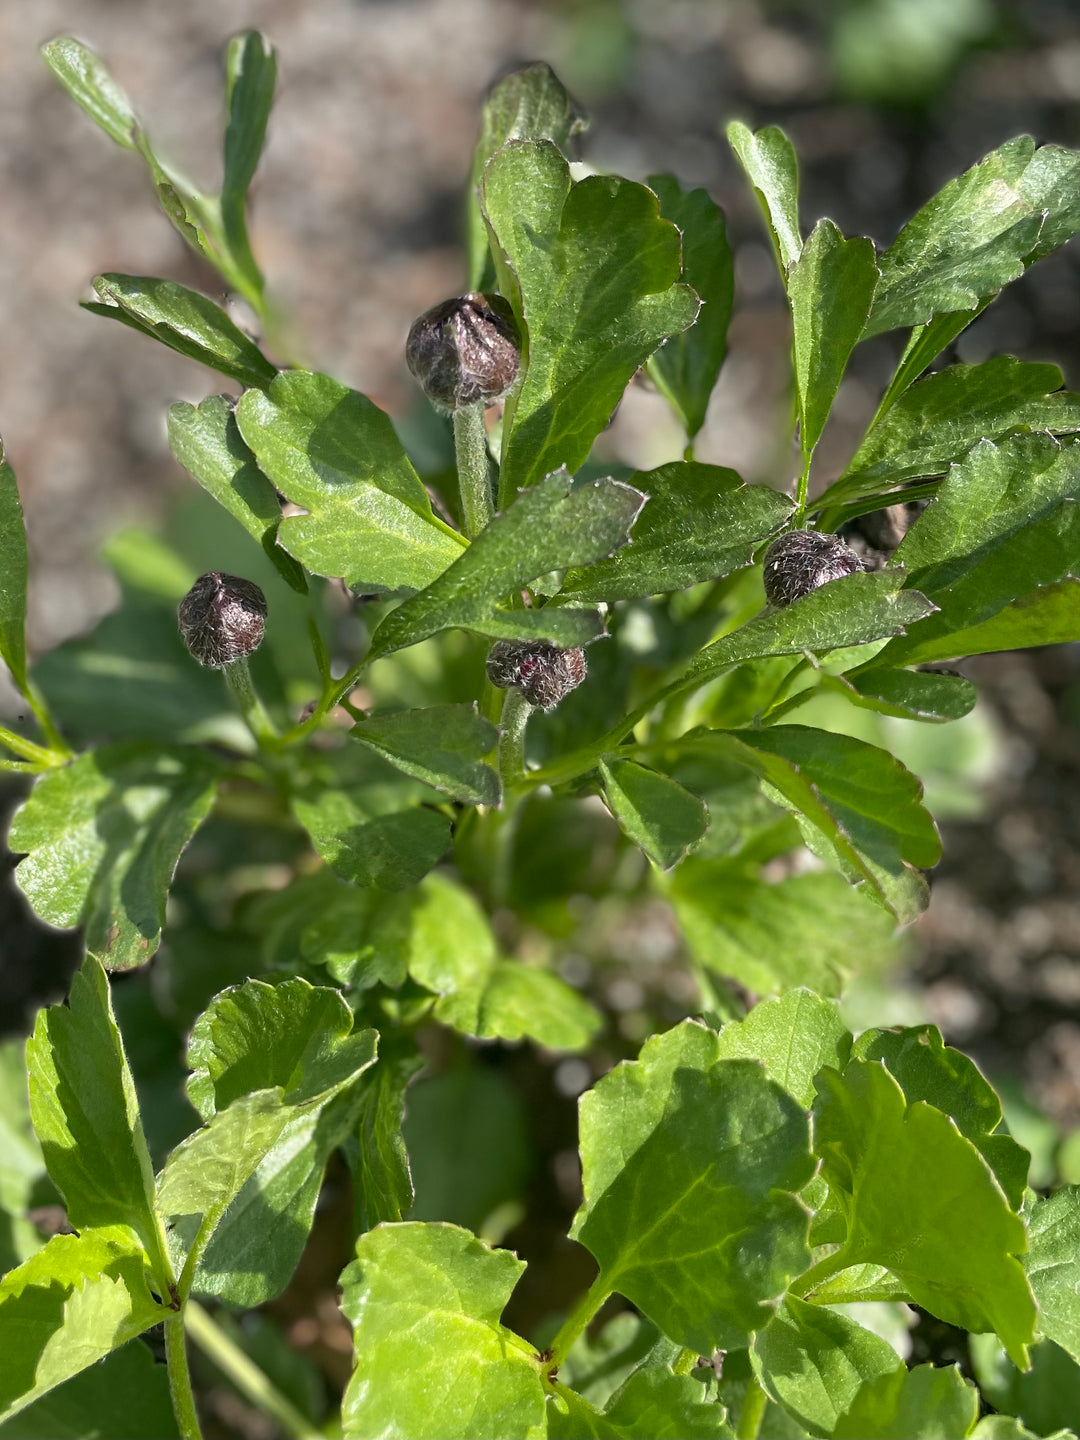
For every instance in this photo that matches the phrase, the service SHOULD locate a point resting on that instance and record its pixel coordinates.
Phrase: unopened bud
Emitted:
(801, 560)
(464, 350)
(222, 619)
(543, 673)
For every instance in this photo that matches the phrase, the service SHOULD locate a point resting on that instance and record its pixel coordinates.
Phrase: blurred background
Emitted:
(357, 223)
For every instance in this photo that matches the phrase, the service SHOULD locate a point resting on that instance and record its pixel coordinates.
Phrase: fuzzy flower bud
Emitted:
(543, 673)
(222, 619)
(464, 350)
(801, 560)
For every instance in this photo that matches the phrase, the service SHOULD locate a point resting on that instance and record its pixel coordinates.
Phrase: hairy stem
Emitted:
(257, 720)
(515, 716)
(819, 1273)
(246, 1375)
(474, 481)
(578, 1318)
(752, 1412)
(26, 749)
(183, 1399)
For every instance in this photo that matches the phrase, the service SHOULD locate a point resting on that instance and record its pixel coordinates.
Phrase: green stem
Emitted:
(752, 1412)
(801, 491)
(819, 1273)
(44, 719)
(474, 480)
(246, 1375)
(515, 716)
(183, 1400)
(791, 703)
(251, 707)
(27, 750)
(578, 1318)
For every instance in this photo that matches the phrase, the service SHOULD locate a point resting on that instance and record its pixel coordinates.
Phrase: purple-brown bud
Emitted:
(464, 350)
(801, 560)
(543, 673)
(222, 618)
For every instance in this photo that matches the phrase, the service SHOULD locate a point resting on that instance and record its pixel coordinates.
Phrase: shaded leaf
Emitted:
(768, 159)
(654, 811)
(382, 1183)
(102, 839)
(370, 840)
(793, 1036)
(907, 694)
(1046, 1397)
(513, 1000)
(125, 1397)
(440, 745)
(653, 1403)
(13, 573)
(920, 1404)
(1053, 1266)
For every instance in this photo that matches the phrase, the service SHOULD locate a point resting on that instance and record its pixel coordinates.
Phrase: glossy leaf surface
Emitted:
(769, 162)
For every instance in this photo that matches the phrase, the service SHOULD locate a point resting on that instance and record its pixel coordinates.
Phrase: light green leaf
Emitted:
(549, 527)
(655, 812)
(22, 1165)
(1001, 1427)
(813, 930)
(831, 289)
(87, 81)
(185, 321)
(13, 573)
(207, 442)
(1046, 1397)
(529, 104)
(684, 369)
(653, 1403)
(694, 1221)
(814, 1362)
(370, 840)
(513, 1000)
(1053, 1266)
(86, 1115)
(919, 1404)
(919, 1199)
(907, 694)
(591, 270)
(104, 836)
(427, 1299)
(250, 75)
(382, 1183)
(123, 1397)
(768, 159)
(793, 1036)
(367, 936)
(441, 745)
(928, 1069)
(69, 1306)
(331, 450)
(700, 522)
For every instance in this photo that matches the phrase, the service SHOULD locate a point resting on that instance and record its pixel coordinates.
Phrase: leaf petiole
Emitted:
(578, 1318)
(176, 1360)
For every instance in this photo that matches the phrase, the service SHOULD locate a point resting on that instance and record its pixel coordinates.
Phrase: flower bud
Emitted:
(801, 560)
(222, 619)
(464, 350)
(543, 673)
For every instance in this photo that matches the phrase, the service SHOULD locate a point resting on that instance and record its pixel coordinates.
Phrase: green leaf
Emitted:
(591, 270)
(1053, 1266)
(831, 289)
(440, 745)
(13, 573)
(330, 450)
(22, 1166)
(102, 839)
(928, 1069)
(68, 1306)
(694, 1221)
(1046, 1397)
(938, 420)
(768, 159)
(207, 442)
(513, 1000)
(87, 81)
(86, 1115)
(684, 370)
(814, 1362)
(908, 694)
(806, 930)
(978, 233)
(1049, 615)
(367, 936)
(919, 1199)
(700, 522)
(250, 75)
(654, 811)
(653, 1403)
(552, 526)
(185, 321)
(1001, 1427)
(125, 1397)
(382, 1183)
(426, 1299)
(529, 104)
(919, 1404)
(793, 1037)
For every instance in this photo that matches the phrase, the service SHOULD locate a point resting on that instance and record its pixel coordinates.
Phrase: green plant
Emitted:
(391, 845)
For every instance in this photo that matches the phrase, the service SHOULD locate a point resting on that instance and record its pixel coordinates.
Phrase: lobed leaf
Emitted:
(1045, 1398)
(919, 1404)
(440, 745)
(768, 160)
(653, 1403)
(513, 1000)
(793, 1035)
(657, 813)
(13, 575)
(125, 1396)
(1053, 1266)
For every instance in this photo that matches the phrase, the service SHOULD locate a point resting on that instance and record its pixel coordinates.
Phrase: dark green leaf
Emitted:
(591, 270)
(925, 343)
(368, 845)
(907, 694)
(549, 527)
(123, 1397)
(250, 75)
(919, 1199)
(1046, 1397)
(529, 104)
(207, 442)
(331, 450)
(793, 1037)
(694, 1222)
(87, 81)
(700, 522)
(831, 289)
(768, 159)
(685, 368)
(919, 1404)
(103, 837)
(69, 1305)
(427, 1299)
(185, 321)
(1053, 1266)
(13, 572)
(441, 745)
(382, 1184)
(656, 812)
(22, 1166)
(86, 1115)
